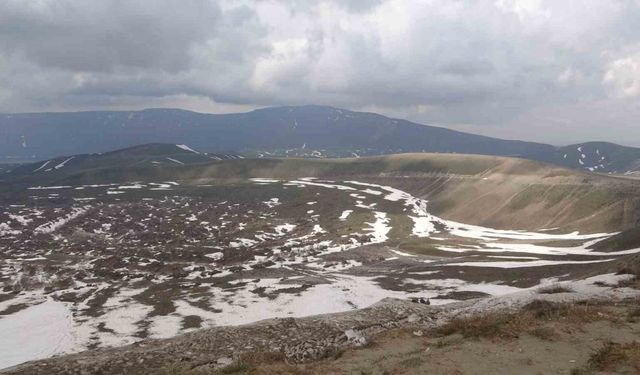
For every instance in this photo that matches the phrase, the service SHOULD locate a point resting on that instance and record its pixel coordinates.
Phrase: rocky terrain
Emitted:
(92, 264)
(396, 336)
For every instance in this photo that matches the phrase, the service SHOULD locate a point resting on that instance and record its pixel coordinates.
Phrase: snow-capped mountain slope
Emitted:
(600, 157)
(143, 156)
(305, 131)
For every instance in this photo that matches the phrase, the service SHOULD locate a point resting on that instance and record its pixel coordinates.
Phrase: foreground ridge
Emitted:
(316, 337)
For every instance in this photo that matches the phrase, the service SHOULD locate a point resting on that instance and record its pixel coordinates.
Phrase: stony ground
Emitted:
(95, 266)
(549, 330)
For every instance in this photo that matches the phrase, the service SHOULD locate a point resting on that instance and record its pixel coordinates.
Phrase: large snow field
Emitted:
(39, 331)
(149, 264)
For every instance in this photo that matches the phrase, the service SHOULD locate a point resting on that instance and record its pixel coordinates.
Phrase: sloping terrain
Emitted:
(600, 157)
(112, 250)
(307, 131)
(491, 191)
(589, 326)
(145, 156)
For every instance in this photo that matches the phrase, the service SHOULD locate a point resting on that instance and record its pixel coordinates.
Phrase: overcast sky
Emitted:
(558, 71)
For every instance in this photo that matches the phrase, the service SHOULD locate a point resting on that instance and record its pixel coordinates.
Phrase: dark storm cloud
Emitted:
(494, 65)
(103, 35)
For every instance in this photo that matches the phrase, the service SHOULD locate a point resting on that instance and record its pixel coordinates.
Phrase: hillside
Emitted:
(307, 131)
(115, 248)
(484, 190)
(149, 155)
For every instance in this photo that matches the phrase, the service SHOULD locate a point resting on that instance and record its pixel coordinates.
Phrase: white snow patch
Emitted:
(281, 230)
(63, 163)
(264, 180)
(36, 332)
(215, 256)
(401, 253)
(187, 148)
(271, 203)
(49, 187)
(533, 263)
(43, 165)
(422, 226)
(304, 181)
(380, 228)
(54, 225)
(175, 161)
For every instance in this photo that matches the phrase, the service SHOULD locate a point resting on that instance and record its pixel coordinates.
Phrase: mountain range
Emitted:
(304, 131)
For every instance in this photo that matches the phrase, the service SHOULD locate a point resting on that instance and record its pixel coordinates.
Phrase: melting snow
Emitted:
(36, 332)
(63, 163)
(533, 263)
(271, 203)
(175, 161)
(54, 225)
(422, 226)
(43, 165)
(49, 187)
(187, 148)
(379, 228)
(345, 214)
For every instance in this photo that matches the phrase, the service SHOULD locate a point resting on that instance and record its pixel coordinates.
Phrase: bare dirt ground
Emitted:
(555, 345)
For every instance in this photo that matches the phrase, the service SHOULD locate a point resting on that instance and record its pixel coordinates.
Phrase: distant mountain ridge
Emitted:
(149, 155)
(305, 131)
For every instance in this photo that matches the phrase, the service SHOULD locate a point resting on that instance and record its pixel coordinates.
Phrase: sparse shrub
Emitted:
(544, 333)
(635, 313)
(568, 312)
(236, 367)
(511, 325)
(410, 363)
(633, 282)
(612, 355)
(580, 371)
(177, 368)
(542, 309)
(554, 289)
(488, 325)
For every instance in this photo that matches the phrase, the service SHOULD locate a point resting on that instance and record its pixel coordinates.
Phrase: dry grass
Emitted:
(492, 325)
(250, 363)
(541, 319)
(554, 289)
(633, 282)
(528, 320)
(634, 315)
(613, 357)
(630, 266)
(571, 313)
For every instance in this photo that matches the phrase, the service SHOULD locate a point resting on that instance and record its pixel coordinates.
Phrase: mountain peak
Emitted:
(287, 131)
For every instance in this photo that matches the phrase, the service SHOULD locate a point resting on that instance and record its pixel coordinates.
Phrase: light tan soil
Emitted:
(566, 346)
(402, 352)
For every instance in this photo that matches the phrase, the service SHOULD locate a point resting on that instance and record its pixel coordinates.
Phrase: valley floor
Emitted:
(103, 266)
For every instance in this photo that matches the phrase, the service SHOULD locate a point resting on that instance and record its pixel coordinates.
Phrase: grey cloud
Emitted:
(103, 35)
(482, 63)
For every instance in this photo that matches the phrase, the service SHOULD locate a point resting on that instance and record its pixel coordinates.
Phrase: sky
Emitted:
(552, 71)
